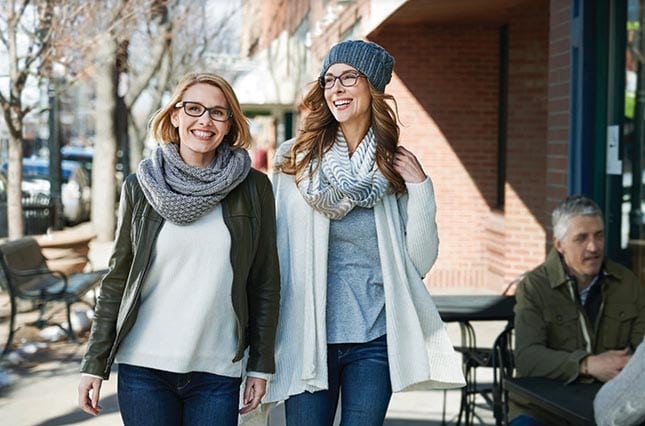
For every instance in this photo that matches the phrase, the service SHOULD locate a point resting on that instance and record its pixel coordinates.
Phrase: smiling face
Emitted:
(350, 106)
(582, 247)
(199, 137)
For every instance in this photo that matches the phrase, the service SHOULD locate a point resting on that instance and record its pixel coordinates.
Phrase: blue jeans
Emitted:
(155, 397)
(525, 420)
(360, 372)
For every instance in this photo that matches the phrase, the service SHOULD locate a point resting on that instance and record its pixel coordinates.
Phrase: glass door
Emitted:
(632, 229)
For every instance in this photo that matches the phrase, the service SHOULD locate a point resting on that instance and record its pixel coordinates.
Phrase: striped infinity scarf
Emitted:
(341, 182)
(181, 193)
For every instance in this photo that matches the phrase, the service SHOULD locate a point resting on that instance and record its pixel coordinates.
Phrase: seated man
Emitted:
(578, 315)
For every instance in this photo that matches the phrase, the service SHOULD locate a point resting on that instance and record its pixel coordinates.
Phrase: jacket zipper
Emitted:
(117, 339)
(238, 323)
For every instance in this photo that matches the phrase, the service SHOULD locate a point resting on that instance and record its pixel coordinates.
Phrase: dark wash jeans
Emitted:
(360, 372)
(155, 397)
(525, 420)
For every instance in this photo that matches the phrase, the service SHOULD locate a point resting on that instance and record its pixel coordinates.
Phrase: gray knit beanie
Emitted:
(367, 57)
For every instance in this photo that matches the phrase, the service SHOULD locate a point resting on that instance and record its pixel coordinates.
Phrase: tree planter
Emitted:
(66, 251)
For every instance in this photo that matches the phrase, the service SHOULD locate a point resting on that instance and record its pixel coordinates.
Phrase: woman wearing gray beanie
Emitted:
(356, 234)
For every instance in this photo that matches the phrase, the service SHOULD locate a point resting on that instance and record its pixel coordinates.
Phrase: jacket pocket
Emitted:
(563, 328)
(617, 323)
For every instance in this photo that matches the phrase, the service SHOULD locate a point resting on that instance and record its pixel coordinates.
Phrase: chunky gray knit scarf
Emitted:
(181, 193)
(341, 182)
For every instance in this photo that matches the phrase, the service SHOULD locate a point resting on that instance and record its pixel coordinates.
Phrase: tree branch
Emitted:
(161, 46)
(4, 102)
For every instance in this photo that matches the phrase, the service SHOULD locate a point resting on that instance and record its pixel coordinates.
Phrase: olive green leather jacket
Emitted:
(249, 215)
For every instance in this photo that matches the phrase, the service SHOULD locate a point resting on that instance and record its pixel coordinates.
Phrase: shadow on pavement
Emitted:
(109, 405)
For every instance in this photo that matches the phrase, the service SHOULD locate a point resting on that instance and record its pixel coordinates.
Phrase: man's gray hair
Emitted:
(574, 205)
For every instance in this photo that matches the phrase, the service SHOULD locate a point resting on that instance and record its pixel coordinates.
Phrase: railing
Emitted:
(38, 213)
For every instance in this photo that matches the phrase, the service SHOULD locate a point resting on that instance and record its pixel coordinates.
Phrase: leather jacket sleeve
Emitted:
(103, 333)
(263, 285)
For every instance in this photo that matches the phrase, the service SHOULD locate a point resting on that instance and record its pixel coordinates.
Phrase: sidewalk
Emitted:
(44, 377)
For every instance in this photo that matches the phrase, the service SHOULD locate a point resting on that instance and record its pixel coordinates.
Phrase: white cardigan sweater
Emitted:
(421, 355)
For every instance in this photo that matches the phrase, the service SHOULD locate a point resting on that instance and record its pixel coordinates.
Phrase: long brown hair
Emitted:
(319, 131)
(163, 131)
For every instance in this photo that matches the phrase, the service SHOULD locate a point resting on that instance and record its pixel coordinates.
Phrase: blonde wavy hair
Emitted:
(163, 131)
(319, 129)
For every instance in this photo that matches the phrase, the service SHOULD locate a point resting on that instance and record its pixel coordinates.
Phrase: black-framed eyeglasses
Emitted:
(195, 109)
(347, 79)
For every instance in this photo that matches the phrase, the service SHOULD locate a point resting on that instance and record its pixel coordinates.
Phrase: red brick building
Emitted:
(505, 102)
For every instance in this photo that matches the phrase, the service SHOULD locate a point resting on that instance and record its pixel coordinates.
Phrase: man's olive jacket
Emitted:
(551, 325)
(249, 215)
(552, 330)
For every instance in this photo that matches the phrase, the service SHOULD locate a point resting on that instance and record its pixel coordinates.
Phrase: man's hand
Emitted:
(253, 392)
(607, 365)
(89, 391)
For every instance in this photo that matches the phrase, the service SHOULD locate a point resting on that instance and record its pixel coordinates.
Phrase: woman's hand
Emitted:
(89, 391)
(407, 165)
(253, 392)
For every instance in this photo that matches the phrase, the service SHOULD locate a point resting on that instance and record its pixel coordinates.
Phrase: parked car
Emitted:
(76, 192)
(80, 154)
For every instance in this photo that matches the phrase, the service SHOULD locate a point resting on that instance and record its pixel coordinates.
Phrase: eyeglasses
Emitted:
(347, 79)
(195, 109)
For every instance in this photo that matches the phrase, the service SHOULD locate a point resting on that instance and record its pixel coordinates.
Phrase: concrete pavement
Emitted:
(44, 376)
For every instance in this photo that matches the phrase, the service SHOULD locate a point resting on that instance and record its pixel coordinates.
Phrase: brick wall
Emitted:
(265, 20)
(350, 15)
(446, 88)
(274, 21)
(558, 105)
(447, 91)
(527, 134)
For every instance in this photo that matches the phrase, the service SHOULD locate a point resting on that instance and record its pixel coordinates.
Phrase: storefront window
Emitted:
(633, 207)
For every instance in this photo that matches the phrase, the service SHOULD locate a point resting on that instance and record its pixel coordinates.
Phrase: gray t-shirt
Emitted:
(355, 298)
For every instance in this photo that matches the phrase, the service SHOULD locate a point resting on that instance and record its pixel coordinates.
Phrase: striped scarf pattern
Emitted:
(343, 182)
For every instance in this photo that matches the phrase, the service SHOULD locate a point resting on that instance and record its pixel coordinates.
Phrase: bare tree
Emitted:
(177, 37)
(106, 24)
(151, 66)
(29, 35)
(36, 35)
(169, 37)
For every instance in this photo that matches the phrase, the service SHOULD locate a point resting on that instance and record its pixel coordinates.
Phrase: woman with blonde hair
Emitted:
(356, 234)
(193, 284)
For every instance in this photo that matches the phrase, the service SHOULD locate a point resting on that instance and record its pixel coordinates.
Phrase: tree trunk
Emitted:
(136, 144)
(15, 221)
(104, 163)
(137, 129)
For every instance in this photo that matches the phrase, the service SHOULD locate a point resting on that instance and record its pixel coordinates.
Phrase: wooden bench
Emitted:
(27, 277)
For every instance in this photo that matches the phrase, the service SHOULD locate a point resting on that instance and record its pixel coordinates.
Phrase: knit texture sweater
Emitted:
(620, 401)
(421, 355)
